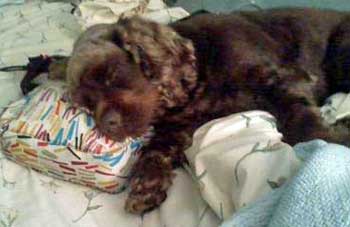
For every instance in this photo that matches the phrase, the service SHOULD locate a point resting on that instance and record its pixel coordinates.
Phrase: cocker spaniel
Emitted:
(137, 73)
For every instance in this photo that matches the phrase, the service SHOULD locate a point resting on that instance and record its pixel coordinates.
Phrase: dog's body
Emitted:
(269, 60)
(285, 61)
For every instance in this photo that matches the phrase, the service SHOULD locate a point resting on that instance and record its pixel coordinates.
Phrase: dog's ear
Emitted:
(165, 58)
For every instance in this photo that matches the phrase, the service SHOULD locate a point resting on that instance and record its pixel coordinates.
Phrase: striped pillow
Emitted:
(44, 132)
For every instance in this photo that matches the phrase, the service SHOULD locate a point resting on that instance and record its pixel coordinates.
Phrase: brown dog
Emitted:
(137, 73)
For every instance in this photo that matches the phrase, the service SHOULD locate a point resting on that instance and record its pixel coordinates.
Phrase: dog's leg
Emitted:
(300, 123)
(153, 173)
(293, 93)
(299, 116)
(152, 177)
(337, 59)
(57, 69)
(55, 66)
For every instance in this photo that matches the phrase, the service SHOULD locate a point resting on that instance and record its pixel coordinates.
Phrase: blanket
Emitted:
(319, 195)
(10, 2)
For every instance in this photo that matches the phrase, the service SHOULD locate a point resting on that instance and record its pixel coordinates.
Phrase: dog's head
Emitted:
(128, 73)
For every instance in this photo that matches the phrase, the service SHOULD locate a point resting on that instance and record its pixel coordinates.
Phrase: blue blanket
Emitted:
(319, 194)
(10, 2)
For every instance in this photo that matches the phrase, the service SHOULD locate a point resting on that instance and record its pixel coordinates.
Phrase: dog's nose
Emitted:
(109, 121)
(112, 125)
(100, 111)
(112, 119)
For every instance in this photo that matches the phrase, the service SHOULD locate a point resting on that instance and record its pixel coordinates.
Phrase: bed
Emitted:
(204, 194)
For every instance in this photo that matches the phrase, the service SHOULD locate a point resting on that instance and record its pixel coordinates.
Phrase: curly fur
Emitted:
(137, 73)
(164, 57)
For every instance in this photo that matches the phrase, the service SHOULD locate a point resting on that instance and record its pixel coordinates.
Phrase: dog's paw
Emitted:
(27, 86)
(139, 203)
(57, 69)
(340, 132)
(152, 177)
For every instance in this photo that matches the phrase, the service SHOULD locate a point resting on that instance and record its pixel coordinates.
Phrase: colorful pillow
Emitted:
(46, 133)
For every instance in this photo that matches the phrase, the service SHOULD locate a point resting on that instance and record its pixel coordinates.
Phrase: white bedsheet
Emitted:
(30, 199)
(240, 158)
(31, 30)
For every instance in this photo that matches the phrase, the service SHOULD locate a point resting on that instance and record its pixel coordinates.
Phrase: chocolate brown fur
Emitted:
(136, 73)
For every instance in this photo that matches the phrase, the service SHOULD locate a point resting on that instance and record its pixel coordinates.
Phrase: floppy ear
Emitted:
(165, 58)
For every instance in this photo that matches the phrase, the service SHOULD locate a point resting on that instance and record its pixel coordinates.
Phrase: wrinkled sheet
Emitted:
(30, 199)
(106, 11)
(31, 30)
(239, 158)
(318, 194)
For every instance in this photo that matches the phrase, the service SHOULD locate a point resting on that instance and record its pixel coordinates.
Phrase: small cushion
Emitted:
(46, 133)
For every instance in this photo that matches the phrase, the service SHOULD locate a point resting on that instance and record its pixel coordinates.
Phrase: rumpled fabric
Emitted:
(319, 194)
(336, 107)
(239, 158)
(110, 11)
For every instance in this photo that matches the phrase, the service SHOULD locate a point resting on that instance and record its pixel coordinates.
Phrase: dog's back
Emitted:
(285, 61)
(287, 36)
